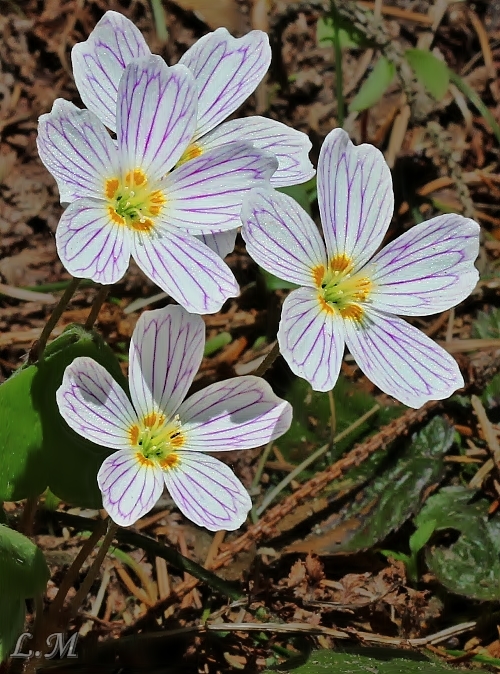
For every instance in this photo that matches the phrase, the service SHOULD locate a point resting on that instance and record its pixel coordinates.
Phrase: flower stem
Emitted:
(99, 300)
(36, 353)
(333, 416)
(73, 571)
(268, 361)
(84, 588)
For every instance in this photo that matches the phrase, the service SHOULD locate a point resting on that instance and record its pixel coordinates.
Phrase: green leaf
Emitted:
(469, 566)
(12, 618)
(311, 417)
(390, 498)
(374, 86)
(487, 324)
(430, 71)
(422, 535)
(367, 661)
(300, 194)
(272, 282)
(348, 35)
(23, 569)
(491, 394)
(37, 447)
(216, 343)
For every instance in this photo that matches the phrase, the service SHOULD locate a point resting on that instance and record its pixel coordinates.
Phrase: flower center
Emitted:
(157, 441)
(132, 201)
(340, 289)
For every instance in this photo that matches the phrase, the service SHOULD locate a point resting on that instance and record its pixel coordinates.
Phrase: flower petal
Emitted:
(77, 149)
(311, 339)
(156, 115)
(428, 269)
(355, 197)
(166, 351)
(238, 413)
(290, 147)
(205, 194)
(227, 70)
(281, 237)
(99, 62)
(221, 243)
(130, 487)
(94, 405)
(401, 360)
(90, 244)
(187, 270)
(207, 492)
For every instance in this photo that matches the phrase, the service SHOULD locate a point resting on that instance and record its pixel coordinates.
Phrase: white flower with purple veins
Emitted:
(349, 293)
(226, 71)
(125, 199)
(162, 439)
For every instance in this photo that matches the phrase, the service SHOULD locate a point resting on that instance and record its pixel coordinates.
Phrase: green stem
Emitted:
(268, 361)
(37, 353)
(99, 300)
(160, 20)
(333, 416)
(339, 80)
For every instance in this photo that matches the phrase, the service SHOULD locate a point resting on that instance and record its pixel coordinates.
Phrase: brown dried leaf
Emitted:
(297, 575)
(314, 568)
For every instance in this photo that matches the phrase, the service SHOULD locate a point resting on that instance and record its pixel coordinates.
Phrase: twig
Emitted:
(268, 361)
(488, 430)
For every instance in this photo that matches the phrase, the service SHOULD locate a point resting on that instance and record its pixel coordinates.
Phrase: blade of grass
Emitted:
(476, 101)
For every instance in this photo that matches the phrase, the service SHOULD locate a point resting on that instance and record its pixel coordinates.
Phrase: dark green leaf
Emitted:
(368, 661)
(487, 324)
(272, 282)
(348, 35)
(374, 86)
(469, 566)
(300, 194)
(12, 618)
(430, 71)
(23, 569)
(390, 498)
(37, 447)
